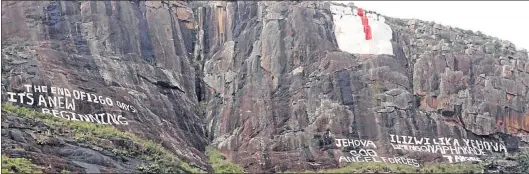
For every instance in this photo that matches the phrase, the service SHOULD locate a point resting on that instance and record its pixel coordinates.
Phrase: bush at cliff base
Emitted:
(159, 160)
(375, 167)
(19, 165)
(220, 164)
(523, 162)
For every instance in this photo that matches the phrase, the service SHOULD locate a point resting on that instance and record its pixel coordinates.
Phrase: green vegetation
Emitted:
(376, 167)
(220, 164)
(13, 45)
(452, 168)
(133, 146)
(163, 160)
(523, 162)
(371, 167)
(307, 171)
(202, 106)
(19, 165)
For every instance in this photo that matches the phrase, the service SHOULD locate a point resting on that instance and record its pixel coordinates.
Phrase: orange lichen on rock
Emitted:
(433, 101)
(184, 14)
(442, 103)
(220, 20)
(515, 122)
(424, 103)
(429, 103)
(419, 91)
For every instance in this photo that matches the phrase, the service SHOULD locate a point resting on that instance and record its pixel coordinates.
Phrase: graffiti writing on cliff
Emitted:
(63, 99)
(452, 149)
(355, 143)
(363, 151)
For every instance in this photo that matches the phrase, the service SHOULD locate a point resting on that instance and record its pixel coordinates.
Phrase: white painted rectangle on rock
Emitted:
(349, 32)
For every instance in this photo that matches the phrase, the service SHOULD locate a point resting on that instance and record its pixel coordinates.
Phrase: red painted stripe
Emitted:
(367, 30)
(360, 12)
(364, 21)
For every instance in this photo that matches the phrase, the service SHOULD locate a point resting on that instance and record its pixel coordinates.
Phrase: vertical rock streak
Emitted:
(411, 78)
(263, 81)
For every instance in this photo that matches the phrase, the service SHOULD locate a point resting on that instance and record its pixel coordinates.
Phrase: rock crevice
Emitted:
(261, 81)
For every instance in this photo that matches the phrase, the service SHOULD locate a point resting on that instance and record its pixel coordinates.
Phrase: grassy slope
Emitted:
(162, 161)
(219, 163)
(21, 165)
(376, 167)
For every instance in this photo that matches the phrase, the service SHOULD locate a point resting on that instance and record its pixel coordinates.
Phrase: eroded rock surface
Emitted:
(277, 79)
(25, 138)
(135, 52)
(270, 75)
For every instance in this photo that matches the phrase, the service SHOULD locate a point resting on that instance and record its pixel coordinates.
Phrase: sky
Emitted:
(501, 19)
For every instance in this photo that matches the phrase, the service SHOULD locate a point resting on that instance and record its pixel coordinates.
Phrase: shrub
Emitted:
(370, 167)
(523, 162)
(19, 165)
(219, 164)
(86, 130)
(452, 168)
(377, 167)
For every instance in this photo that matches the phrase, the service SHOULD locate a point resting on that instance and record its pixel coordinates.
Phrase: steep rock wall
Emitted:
(136, 52)
(282, 74)
(272, 77)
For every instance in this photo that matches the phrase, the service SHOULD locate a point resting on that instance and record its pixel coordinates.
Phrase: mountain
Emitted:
(273, 86)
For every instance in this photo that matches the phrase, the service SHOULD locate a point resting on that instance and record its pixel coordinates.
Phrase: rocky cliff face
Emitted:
(269, 77)
(278, 79)
(133, 52)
